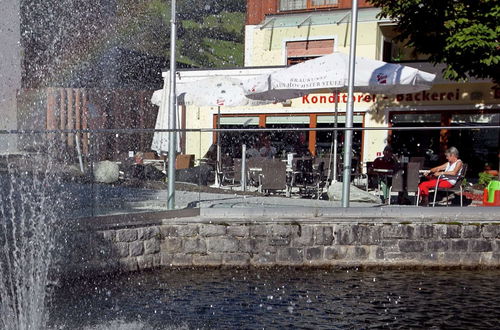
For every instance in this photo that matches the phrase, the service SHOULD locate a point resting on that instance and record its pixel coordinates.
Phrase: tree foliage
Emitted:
(463, 34)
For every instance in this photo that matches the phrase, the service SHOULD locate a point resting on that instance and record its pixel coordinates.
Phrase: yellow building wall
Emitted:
(268, 46)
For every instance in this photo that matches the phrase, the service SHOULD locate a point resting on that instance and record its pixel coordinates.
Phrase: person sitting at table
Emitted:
(386, 165)
(300, 148)
(452, 167)
(267, 150)
(253, 151)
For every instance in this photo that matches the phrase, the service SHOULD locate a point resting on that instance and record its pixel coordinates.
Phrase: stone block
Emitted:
(179, 231)
(390, 245)
(121, 249)
(156, 260)
(491, 231)
(166, 259)
(136, 248)
(436, 246)
(194, 245)
(279, 241)
(486, 257)
(212, 259)
(148, 233)
(314, 253)
(109, 235)
(187, 230)
(358, 234)
(151, 246)
(396, 256)
(126, 235)
(323, 235)
(217, 244)
(260, 230)
(290, 256)
(266, 258)
(283, 230)
(424, 231)
(470, 258)
(145, 262)
(182, 259)
(459, 245)
(495, 257)
(429, 256)
(304, 237)
(236, 259)
(379, 253)
(171, 245)
(398, 231)
(344, 235)
(480, 246)
(411, 246)
(450, 257)
(360, 252)
(212, 230)
(448, 231)
(238, 231)
(253, 245)
(168, 231)
(129, 264)
(471, 231)
(335, 252)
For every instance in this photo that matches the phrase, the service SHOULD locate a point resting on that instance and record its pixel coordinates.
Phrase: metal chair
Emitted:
(412, 180)
(273, 175)
(457, 187)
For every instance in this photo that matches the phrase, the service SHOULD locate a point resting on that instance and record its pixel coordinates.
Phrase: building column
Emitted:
(10, 72)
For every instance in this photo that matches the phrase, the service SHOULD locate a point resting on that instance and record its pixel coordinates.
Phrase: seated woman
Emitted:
(442, 173)
(387, 162)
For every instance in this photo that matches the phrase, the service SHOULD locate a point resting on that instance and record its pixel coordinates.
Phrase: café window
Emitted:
(286, 5)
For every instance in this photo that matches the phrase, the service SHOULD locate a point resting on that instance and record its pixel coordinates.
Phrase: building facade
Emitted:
(280, 33)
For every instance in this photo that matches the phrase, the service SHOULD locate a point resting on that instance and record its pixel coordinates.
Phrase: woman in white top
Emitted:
(451, 168)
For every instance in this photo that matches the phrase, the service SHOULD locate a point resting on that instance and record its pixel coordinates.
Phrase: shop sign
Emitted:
(424, 96)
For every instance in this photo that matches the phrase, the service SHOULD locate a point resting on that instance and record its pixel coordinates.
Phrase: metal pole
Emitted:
(172, 150)
(243, 167)
(335, 136)
(346, 182)
(218, 165)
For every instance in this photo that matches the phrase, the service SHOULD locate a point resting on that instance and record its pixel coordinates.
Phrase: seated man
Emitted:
(389, 163)
(267, 151)
(451, 168)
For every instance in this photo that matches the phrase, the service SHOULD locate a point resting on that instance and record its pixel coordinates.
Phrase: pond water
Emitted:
(280, 298)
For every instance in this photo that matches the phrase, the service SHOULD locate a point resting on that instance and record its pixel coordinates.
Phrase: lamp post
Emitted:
(172, 135)
(346, 182)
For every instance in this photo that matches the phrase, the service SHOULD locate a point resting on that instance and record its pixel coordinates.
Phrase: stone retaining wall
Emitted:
(294, 243)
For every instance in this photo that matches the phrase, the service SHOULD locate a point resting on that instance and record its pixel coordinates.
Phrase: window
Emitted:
(292, 4)
(306, 4)
(300, 51)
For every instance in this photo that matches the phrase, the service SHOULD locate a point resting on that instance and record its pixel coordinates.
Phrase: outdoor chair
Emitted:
(254, 170)
(420, 160)
(273, 175)
(412, 180)
(457, 187)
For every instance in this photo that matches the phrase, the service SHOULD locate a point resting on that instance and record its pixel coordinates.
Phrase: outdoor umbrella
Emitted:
(330, 72)
(215, 91)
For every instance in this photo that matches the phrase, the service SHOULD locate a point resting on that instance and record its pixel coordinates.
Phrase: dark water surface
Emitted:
(281, 298)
